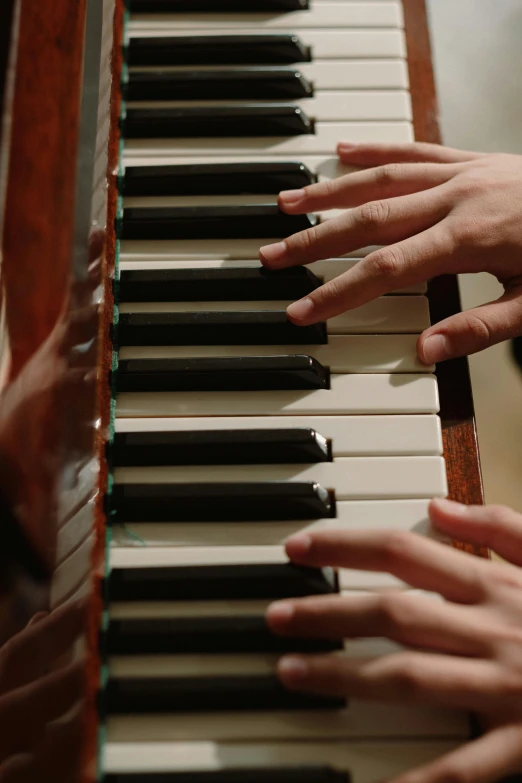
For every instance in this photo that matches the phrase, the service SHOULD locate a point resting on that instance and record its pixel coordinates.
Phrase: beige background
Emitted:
(478, 66)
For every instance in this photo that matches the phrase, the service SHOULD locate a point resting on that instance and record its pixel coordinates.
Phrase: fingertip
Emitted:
(272, 256)
(301, 311)
(293, 670)
(433, 348)
(299, 547)
(279, 615)
(442, 511)
(291, 200)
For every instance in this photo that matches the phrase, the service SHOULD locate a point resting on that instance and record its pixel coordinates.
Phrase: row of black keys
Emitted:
(215, 6)
(210, 222)
(294, 774)
(209, 635)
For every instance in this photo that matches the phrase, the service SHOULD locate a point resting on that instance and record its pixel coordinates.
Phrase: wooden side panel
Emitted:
(457, 414)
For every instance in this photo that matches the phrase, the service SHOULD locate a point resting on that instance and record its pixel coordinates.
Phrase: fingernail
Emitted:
(301, 309)
(292, 196)
(293, 668)
(300, 542)
(280, 612)
(450, 506)
(346, 146)
(271, 254)
(435, 349)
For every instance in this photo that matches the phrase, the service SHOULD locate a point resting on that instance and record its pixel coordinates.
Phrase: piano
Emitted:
(163, 427)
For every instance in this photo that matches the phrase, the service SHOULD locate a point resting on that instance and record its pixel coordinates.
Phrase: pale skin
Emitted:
(435, 210)
(465, 652)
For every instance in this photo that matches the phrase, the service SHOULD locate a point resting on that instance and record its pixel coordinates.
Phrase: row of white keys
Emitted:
(348, 394)
(365, 760)
(325, 270)
(321, 142)
(351, 478)
(386, 315)
(317, 16)
(351, 353)
(325, 74)
(410, 514)
(324, 106)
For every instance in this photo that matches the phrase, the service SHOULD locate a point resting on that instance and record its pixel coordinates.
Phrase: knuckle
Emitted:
(389, 261)
(372, 215)
(409, 678)
(387, 174)
(394, 544)
(467, 186)
(334, 290)
(451, 773)
(476, 328)
(305, 241)
(395, 612)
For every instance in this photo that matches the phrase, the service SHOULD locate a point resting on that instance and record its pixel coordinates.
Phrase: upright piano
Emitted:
(163, 426)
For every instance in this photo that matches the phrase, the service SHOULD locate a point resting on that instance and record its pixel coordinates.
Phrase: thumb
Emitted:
(472, 330)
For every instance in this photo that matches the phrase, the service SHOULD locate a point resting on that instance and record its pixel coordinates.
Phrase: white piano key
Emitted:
(234, 665)
(325, 270)
(319, 15)
(342, 354)
(386, 315)
(132, 610)
(322, 142)
(366, 761)
(147, 251)
(329, 74)
(352, 478)
(325, 106)
(362, 720)
(325, 44)
(376, 436)
(348, 394)
(350, 515)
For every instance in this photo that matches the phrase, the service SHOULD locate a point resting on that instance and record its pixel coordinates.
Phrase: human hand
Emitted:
(437, 211)
(464, 653)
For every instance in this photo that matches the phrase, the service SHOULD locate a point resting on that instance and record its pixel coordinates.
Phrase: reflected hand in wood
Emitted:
(436, 211)
(465, 652)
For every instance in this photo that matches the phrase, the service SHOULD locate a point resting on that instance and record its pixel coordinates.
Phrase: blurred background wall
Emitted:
(477, 54)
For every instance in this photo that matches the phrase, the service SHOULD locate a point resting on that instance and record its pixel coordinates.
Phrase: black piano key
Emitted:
(203, 635)
(251, 84)
(220, 502)
(215, 6)
(223, 222)
(269, 774)
(216, 122)
(220, 447)
(215, 285)
(219, 582)
(218, 179)
(261, 49)
(237, 373)
(248, 327)
(251, 693)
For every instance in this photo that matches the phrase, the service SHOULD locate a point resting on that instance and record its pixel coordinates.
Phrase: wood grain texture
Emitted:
(37, 263)
(457, 414)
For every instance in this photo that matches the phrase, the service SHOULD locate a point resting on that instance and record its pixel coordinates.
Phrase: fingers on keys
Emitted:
(425, 623)
(408, 677)
(473, 330)
(496, 527)
(492, 757)
(367, 155)
(352, 190)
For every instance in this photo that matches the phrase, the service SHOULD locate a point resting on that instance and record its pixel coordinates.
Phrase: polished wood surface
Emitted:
(457, 414)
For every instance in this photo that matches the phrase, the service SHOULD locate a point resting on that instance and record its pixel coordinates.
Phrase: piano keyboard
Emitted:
(232, 428)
